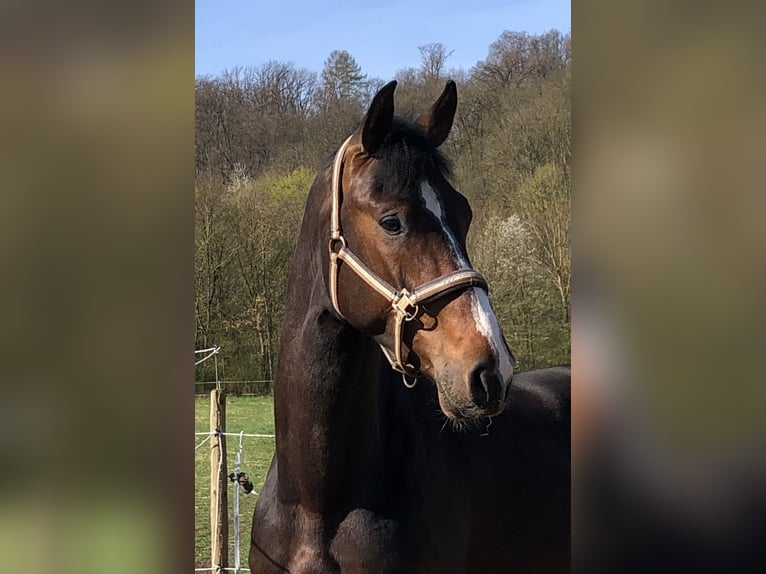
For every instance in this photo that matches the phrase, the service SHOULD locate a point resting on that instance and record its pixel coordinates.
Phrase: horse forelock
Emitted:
(407, 157)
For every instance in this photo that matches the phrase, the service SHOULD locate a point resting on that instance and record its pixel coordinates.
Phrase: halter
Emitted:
(405, 303)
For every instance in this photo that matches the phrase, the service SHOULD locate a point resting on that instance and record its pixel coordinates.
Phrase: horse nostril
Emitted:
(486, 386)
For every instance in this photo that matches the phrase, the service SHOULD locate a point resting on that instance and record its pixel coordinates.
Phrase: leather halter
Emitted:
(405, 303)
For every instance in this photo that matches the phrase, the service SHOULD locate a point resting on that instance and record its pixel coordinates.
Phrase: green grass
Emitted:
(251, 415)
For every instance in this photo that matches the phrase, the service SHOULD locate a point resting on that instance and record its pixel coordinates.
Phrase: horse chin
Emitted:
(464, 411)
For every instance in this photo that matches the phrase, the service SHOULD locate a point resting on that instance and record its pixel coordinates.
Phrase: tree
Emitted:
(433, 56)
(215, 257)
(342, 77)
(503, 249)
(269, 213)
(544, 204)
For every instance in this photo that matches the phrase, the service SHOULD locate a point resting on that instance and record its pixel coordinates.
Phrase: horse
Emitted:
(404, 440)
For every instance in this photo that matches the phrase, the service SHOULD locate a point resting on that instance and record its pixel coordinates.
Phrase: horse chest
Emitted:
(368, 543)
(414, 540)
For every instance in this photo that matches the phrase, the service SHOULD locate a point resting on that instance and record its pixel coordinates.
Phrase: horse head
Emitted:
(397, 266)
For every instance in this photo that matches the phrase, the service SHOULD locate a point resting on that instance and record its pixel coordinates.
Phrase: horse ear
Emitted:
(437, 122)
(377, 122)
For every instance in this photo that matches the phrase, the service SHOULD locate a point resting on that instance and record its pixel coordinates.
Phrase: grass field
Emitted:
(249, 414)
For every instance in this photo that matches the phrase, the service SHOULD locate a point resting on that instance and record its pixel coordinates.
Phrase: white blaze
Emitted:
(486, 321)
(435, 206)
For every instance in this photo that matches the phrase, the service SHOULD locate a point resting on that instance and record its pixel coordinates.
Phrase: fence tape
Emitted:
(257, 435)
(213, 351)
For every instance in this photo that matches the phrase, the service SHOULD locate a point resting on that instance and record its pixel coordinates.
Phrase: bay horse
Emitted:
(466, 471)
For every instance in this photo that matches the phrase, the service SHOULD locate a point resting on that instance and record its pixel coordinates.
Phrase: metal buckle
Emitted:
(406, 305)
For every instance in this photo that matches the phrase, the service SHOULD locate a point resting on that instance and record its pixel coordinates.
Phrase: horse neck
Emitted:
(326, 398)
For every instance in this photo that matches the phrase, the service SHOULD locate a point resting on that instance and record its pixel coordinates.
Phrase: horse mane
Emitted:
(405, 155)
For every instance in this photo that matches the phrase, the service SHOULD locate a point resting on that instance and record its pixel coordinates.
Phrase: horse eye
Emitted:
(391, 224)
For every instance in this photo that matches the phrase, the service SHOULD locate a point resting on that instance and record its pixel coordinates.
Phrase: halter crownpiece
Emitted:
(405, 303)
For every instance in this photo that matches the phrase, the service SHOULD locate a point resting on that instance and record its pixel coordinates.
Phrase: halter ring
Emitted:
(415, 313)
(333, 240)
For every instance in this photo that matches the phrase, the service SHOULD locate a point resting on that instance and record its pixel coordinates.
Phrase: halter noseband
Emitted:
(405, 303)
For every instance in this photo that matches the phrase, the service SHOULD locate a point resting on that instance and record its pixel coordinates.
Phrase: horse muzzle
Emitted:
(487, 390)
(482, 394)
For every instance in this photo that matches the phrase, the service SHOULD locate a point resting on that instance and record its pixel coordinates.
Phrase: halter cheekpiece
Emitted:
(405, 303)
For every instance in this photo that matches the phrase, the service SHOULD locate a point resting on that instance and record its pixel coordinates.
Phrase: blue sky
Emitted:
(383, 37)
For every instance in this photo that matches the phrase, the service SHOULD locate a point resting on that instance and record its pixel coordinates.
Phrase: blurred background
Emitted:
(97, 290)
(668, 267)
(96, 295)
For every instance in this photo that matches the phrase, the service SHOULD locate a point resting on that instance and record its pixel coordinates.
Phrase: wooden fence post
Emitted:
(219, 520)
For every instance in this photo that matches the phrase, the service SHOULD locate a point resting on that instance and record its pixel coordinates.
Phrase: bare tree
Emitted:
(432, 57)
